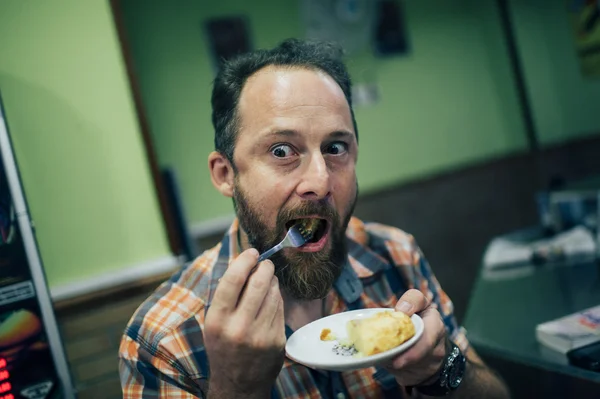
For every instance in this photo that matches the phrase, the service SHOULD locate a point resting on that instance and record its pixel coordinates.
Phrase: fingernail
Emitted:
(405, 307)
(253, 252)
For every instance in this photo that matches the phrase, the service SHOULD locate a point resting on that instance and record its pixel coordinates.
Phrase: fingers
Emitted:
(232, 283)
(278, 324)
(431, 344)
(279, 320)
(413, 301)
(270, 306)
(259, 284)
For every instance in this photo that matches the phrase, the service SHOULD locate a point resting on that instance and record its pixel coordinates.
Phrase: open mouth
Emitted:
(317, 226)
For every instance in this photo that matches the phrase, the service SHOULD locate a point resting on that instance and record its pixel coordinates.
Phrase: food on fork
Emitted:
(381, 332)
(295, 237)
(308, 227)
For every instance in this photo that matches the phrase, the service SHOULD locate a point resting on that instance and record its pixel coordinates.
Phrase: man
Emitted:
(286, 149)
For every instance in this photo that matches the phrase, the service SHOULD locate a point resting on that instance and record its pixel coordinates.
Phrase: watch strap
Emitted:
(450, 375)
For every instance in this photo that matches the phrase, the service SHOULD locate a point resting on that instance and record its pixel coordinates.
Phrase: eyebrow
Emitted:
(338, 134)
(341, 134)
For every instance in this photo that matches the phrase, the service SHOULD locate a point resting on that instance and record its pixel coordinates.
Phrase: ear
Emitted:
(221, 173)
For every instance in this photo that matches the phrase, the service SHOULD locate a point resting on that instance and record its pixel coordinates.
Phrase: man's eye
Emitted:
(282, 151)
(337, 148)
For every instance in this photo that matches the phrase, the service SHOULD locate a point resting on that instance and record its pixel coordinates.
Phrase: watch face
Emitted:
(455, 374)
(451, 376)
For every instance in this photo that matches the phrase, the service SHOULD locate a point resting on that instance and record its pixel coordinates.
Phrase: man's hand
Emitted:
(244, 331)
(420, 364)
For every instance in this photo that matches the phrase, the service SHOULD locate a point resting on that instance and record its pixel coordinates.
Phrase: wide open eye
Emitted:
(282, 151)
(337, 148)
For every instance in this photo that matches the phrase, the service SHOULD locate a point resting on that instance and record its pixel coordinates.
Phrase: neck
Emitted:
(243, 242)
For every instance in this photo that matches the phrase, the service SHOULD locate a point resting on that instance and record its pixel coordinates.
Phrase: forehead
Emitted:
(292, 98)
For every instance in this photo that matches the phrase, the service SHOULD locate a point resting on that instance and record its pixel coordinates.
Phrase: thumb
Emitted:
(413, 301)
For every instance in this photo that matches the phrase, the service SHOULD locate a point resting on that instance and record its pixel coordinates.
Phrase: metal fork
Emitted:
(295, 237)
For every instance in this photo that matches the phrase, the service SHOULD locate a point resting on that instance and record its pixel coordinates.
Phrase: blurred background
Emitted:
(472, 114)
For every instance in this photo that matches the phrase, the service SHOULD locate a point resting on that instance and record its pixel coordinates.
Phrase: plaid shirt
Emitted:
(162, 352)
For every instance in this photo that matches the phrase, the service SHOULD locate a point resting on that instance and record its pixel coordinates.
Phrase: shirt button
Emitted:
(340, 396)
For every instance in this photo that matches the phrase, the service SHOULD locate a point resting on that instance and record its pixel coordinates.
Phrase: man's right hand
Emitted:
(244, 330)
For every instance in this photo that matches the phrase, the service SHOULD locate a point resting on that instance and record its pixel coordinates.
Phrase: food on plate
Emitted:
(378, 333)
(327, 335)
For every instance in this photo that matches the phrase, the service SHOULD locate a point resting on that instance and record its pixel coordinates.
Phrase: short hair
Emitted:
(233, 74)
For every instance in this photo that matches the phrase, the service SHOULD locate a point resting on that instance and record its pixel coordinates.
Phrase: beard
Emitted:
(303, 275)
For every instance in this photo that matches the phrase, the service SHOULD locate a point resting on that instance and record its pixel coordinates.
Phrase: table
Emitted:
(503, 313)
(504, 310)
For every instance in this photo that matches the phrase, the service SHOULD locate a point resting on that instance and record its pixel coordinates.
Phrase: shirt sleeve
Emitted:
(426, 282)
(144, 375)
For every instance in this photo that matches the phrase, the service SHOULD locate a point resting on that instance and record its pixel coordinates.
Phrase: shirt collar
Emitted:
(348, 284)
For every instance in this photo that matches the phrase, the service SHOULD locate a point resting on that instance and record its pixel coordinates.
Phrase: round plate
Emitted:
(305, 345)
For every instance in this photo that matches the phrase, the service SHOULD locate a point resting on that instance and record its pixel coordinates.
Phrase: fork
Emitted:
(295, 237)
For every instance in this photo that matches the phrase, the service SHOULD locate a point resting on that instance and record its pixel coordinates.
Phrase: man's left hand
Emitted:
(420, 364)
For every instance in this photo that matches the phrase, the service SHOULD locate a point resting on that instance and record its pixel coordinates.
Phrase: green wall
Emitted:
(175, 75)
(449, 103)
(76, 138)
(565, 103)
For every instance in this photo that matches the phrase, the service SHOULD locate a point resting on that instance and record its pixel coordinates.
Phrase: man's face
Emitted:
(295, 157)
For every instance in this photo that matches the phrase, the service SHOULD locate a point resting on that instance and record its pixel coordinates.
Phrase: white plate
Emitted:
(305, 345)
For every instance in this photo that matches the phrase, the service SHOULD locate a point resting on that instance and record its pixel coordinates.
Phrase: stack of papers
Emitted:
(572, 331)
(577, 243)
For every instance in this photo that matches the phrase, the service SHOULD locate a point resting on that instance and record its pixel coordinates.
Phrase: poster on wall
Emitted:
(32, 358)
(227, 37)
(376, 26)
(585, 22)
(26, 364)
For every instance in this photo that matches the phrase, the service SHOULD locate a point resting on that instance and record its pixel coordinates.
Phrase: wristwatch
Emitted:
(451, 374)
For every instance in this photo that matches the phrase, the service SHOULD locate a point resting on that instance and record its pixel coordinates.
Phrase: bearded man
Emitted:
(286, 147)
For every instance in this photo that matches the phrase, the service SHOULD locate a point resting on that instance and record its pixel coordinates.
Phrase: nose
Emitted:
(316, 182)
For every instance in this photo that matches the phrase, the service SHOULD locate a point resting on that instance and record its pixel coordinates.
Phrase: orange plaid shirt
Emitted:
(162, 351)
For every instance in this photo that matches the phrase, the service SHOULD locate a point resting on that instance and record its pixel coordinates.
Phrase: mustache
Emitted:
(322, 209)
